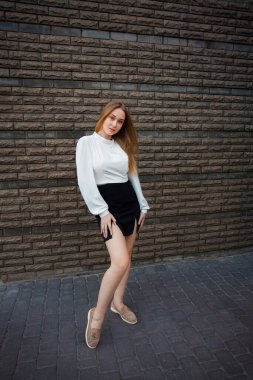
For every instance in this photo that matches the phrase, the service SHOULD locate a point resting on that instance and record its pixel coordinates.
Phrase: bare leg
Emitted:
(120, 290)
(118, 251)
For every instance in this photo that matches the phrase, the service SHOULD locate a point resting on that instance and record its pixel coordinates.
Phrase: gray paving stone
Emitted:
(106, 358)
(242, 377)
(124, 347)
(7, 364)
(168, 360)
(210, 365)
(192, 337)
(67, 346)
(67, 367)
(32, 330)
(175, 374)
(249, 369)
(146, 355)
(217, 374)
(235, 347)
(195, 322)
(203, 353)
(46, 359)
(89, 373)
(47, 373)
(181, 349)
(25, 370)
(153, 373)
(130, 368)
(29, 349)
(159, 342)
(111, 376)
(192, 368)
(214, 342)
(228, 362)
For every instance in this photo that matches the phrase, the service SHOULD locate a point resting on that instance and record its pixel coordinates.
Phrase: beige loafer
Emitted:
(92, 336)
(125, 313)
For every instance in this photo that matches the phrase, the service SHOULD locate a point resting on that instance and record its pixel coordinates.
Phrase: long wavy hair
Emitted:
(127, 136)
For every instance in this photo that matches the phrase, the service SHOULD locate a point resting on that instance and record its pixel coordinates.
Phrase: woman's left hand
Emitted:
(141, 220)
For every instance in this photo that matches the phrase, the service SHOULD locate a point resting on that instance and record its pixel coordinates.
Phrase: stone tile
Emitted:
(191, 325)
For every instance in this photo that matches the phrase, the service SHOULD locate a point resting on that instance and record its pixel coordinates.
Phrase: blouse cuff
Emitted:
(104, 213)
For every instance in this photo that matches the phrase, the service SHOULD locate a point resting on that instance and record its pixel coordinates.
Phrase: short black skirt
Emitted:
(123, 205)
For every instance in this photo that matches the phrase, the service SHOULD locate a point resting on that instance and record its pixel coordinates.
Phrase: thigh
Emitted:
(130, 240)
(117, 247)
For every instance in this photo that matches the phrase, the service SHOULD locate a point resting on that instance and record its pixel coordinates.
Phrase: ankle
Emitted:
(97, 320)
(118, 304)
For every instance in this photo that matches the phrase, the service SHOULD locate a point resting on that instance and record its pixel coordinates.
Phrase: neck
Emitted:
(104, 135)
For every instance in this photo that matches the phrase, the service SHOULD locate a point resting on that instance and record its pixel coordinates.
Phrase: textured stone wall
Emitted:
(184, 68)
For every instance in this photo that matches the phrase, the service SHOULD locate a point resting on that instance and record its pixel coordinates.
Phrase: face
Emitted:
(113, 123)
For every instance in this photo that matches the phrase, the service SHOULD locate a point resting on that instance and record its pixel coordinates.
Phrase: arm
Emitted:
(134, 179)
(86, 180)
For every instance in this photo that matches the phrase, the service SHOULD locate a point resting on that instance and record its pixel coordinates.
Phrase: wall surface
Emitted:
(184, 68)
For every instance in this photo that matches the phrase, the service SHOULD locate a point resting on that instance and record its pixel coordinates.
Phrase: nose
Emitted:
(114, 123)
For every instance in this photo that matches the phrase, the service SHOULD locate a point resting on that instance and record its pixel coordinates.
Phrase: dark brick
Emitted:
(31, 28)
(13, 26)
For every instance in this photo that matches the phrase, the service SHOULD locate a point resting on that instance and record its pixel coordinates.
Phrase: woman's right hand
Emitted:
(106, 223)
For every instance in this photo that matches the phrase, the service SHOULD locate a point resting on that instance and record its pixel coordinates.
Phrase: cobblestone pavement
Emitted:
(195, 322)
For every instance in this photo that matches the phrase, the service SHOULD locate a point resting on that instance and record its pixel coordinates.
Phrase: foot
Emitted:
(92, 335)
(125, 313)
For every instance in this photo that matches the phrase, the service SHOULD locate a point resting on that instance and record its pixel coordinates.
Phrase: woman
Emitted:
(110, 186)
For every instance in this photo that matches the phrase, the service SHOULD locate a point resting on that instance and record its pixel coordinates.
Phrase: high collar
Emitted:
(102, 139)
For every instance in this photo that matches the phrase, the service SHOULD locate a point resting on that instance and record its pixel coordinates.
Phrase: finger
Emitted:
(142, 222)
(140, 219)
(110, 227)
(104, 231)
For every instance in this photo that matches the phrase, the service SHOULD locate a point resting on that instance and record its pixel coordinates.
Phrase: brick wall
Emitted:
(184, 68)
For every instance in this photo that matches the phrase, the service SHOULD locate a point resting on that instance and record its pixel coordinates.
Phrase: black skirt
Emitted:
(123, 205)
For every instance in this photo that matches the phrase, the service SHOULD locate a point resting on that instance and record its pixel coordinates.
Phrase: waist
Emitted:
(114, 184)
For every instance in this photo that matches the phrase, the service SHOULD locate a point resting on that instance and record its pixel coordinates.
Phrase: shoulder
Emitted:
(85, 140)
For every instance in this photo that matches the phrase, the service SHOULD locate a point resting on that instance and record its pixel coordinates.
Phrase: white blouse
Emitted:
(100, 161)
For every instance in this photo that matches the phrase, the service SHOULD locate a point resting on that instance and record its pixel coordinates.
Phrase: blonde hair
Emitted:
(127, 136)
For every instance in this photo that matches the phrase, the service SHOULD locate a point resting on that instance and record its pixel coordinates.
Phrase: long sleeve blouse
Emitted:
(100, 161)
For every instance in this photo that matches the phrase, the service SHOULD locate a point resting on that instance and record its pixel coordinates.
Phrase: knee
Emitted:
(121, 265)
